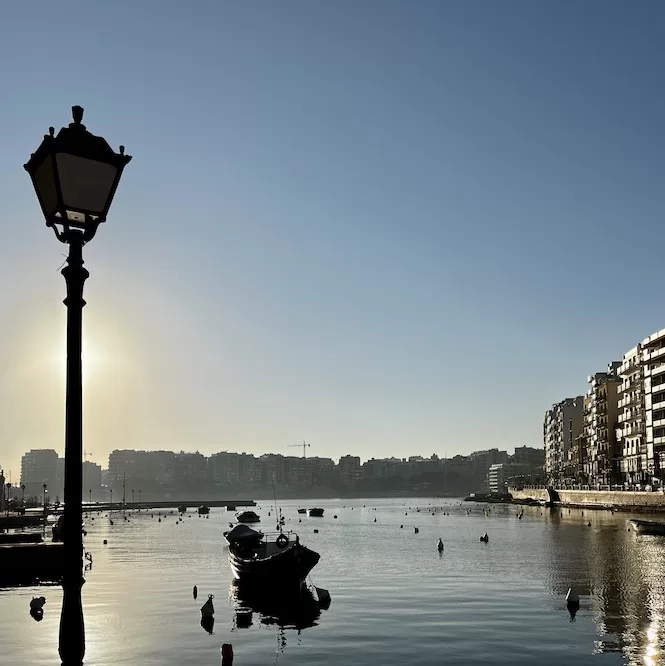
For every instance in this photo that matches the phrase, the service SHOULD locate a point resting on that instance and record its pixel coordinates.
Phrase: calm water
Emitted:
(395, 600)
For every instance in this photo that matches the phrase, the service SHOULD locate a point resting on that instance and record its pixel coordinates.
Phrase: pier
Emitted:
(163, 504)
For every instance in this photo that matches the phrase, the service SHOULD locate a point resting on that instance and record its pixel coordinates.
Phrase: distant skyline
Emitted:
(378, 226)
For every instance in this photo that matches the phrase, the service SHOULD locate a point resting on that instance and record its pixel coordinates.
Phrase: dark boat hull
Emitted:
(286, 569)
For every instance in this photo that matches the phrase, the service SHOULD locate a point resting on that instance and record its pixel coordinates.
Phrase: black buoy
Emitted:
(401, 527)
(316, 531)
(105, 542)
(440, 545)
(416, 530)
(195, 592)
(375, 520)
(335, 516)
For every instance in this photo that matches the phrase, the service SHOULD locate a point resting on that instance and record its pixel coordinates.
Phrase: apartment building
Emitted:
(561, 427)
(39, 467)
(602, 455)
(496, 478)
(653, 370)
(635, 466)
(141, 468)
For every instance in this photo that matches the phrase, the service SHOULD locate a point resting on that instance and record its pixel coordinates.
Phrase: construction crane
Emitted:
(304, 447)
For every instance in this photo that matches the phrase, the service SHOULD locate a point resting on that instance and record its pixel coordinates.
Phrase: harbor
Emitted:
(389, 586)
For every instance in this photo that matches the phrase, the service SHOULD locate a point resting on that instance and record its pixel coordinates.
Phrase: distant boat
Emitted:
(315, 513)
(269, 561)
(248, 517)
(204, 510)
(230, 507)
(182, 508)
(302, 510)
(648, 527)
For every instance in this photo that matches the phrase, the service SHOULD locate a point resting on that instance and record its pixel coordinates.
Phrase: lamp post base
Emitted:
(72, 633)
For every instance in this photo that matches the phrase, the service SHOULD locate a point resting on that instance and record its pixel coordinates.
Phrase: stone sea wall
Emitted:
(599, 498)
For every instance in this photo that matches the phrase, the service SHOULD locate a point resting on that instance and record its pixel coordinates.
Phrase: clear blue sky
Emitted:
(385, 227)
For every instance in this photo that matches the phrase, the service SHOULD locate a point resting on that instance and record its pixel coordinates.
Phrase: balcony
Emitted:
(650, 354)
(658, 388)
(633, 398)
(634, 414)
(655, 372)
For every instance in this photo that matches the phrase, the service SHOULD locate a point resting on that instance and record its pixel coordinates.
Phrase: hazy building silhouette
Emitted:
(39, 467)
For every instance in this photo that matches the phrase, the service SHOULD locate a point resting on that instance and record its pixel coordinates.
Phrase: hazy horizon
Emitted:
(381, 227)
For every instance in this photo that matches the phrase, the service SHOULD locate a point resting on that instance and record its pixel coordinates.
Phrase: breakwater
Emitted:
(598, 499)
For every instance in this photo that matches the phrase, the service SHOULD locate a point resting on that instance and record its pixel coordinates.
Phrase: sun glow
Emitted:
(92, 362)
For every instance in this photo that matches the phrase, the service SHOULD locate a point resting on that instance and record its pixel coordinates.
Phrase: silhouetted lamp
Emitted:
(75, 175)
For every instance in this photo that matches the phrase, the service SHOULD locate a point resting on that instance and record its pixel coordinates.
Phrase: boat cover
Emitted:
(243, 533)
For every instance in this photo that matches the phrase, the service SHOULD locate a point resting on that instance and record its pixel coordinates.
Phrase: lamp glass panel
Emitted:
(86, 185)
(44, 180)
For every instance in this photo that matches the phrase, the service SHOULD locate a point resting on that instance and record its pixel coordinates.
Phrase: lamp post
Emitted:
(9, 495)
(111, 490)
(139, 499)
(133, 503)
(23, 498)
(45, 489)
(89, 495)
(75, 175)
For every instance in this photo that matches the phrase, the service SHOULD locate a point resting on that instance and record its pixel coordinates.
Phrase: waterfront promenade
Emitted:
(633, 500)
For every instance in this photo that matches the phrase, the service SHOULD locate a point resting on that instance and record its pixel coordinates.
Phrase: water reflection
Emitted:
(619, 576)
(251, 604)
(208, 623)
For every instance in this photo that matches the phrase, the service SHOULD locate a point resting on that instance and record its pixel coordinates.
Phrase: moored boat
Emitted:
(204, 510)
(269, 560)
(315, 513)
(648, 527)
(248, 517)
(182, 508)
(302, 510)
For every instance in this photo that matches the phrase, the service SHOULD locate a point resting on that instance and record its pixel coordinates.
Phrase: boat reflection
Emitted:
(252, 605)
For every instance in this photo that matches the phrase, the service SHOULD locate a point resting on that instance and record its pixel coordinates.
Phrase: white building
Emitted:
(653, 370)
(630, 422)
(496, 479)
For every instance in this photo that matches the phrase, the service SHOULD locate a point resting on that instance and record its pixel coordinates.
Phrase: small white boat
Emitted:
(648, 527)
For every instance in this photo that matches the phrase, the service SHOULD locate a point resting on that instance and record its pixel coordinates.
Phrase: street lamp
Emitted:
(133, 503)
(9, 495)
(139, 499)
(23, 498)
(75, 175)
(45, 489)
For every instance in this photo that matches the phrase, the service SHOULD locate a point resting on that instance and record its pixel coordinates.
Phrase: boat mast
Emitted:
(274, 496)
